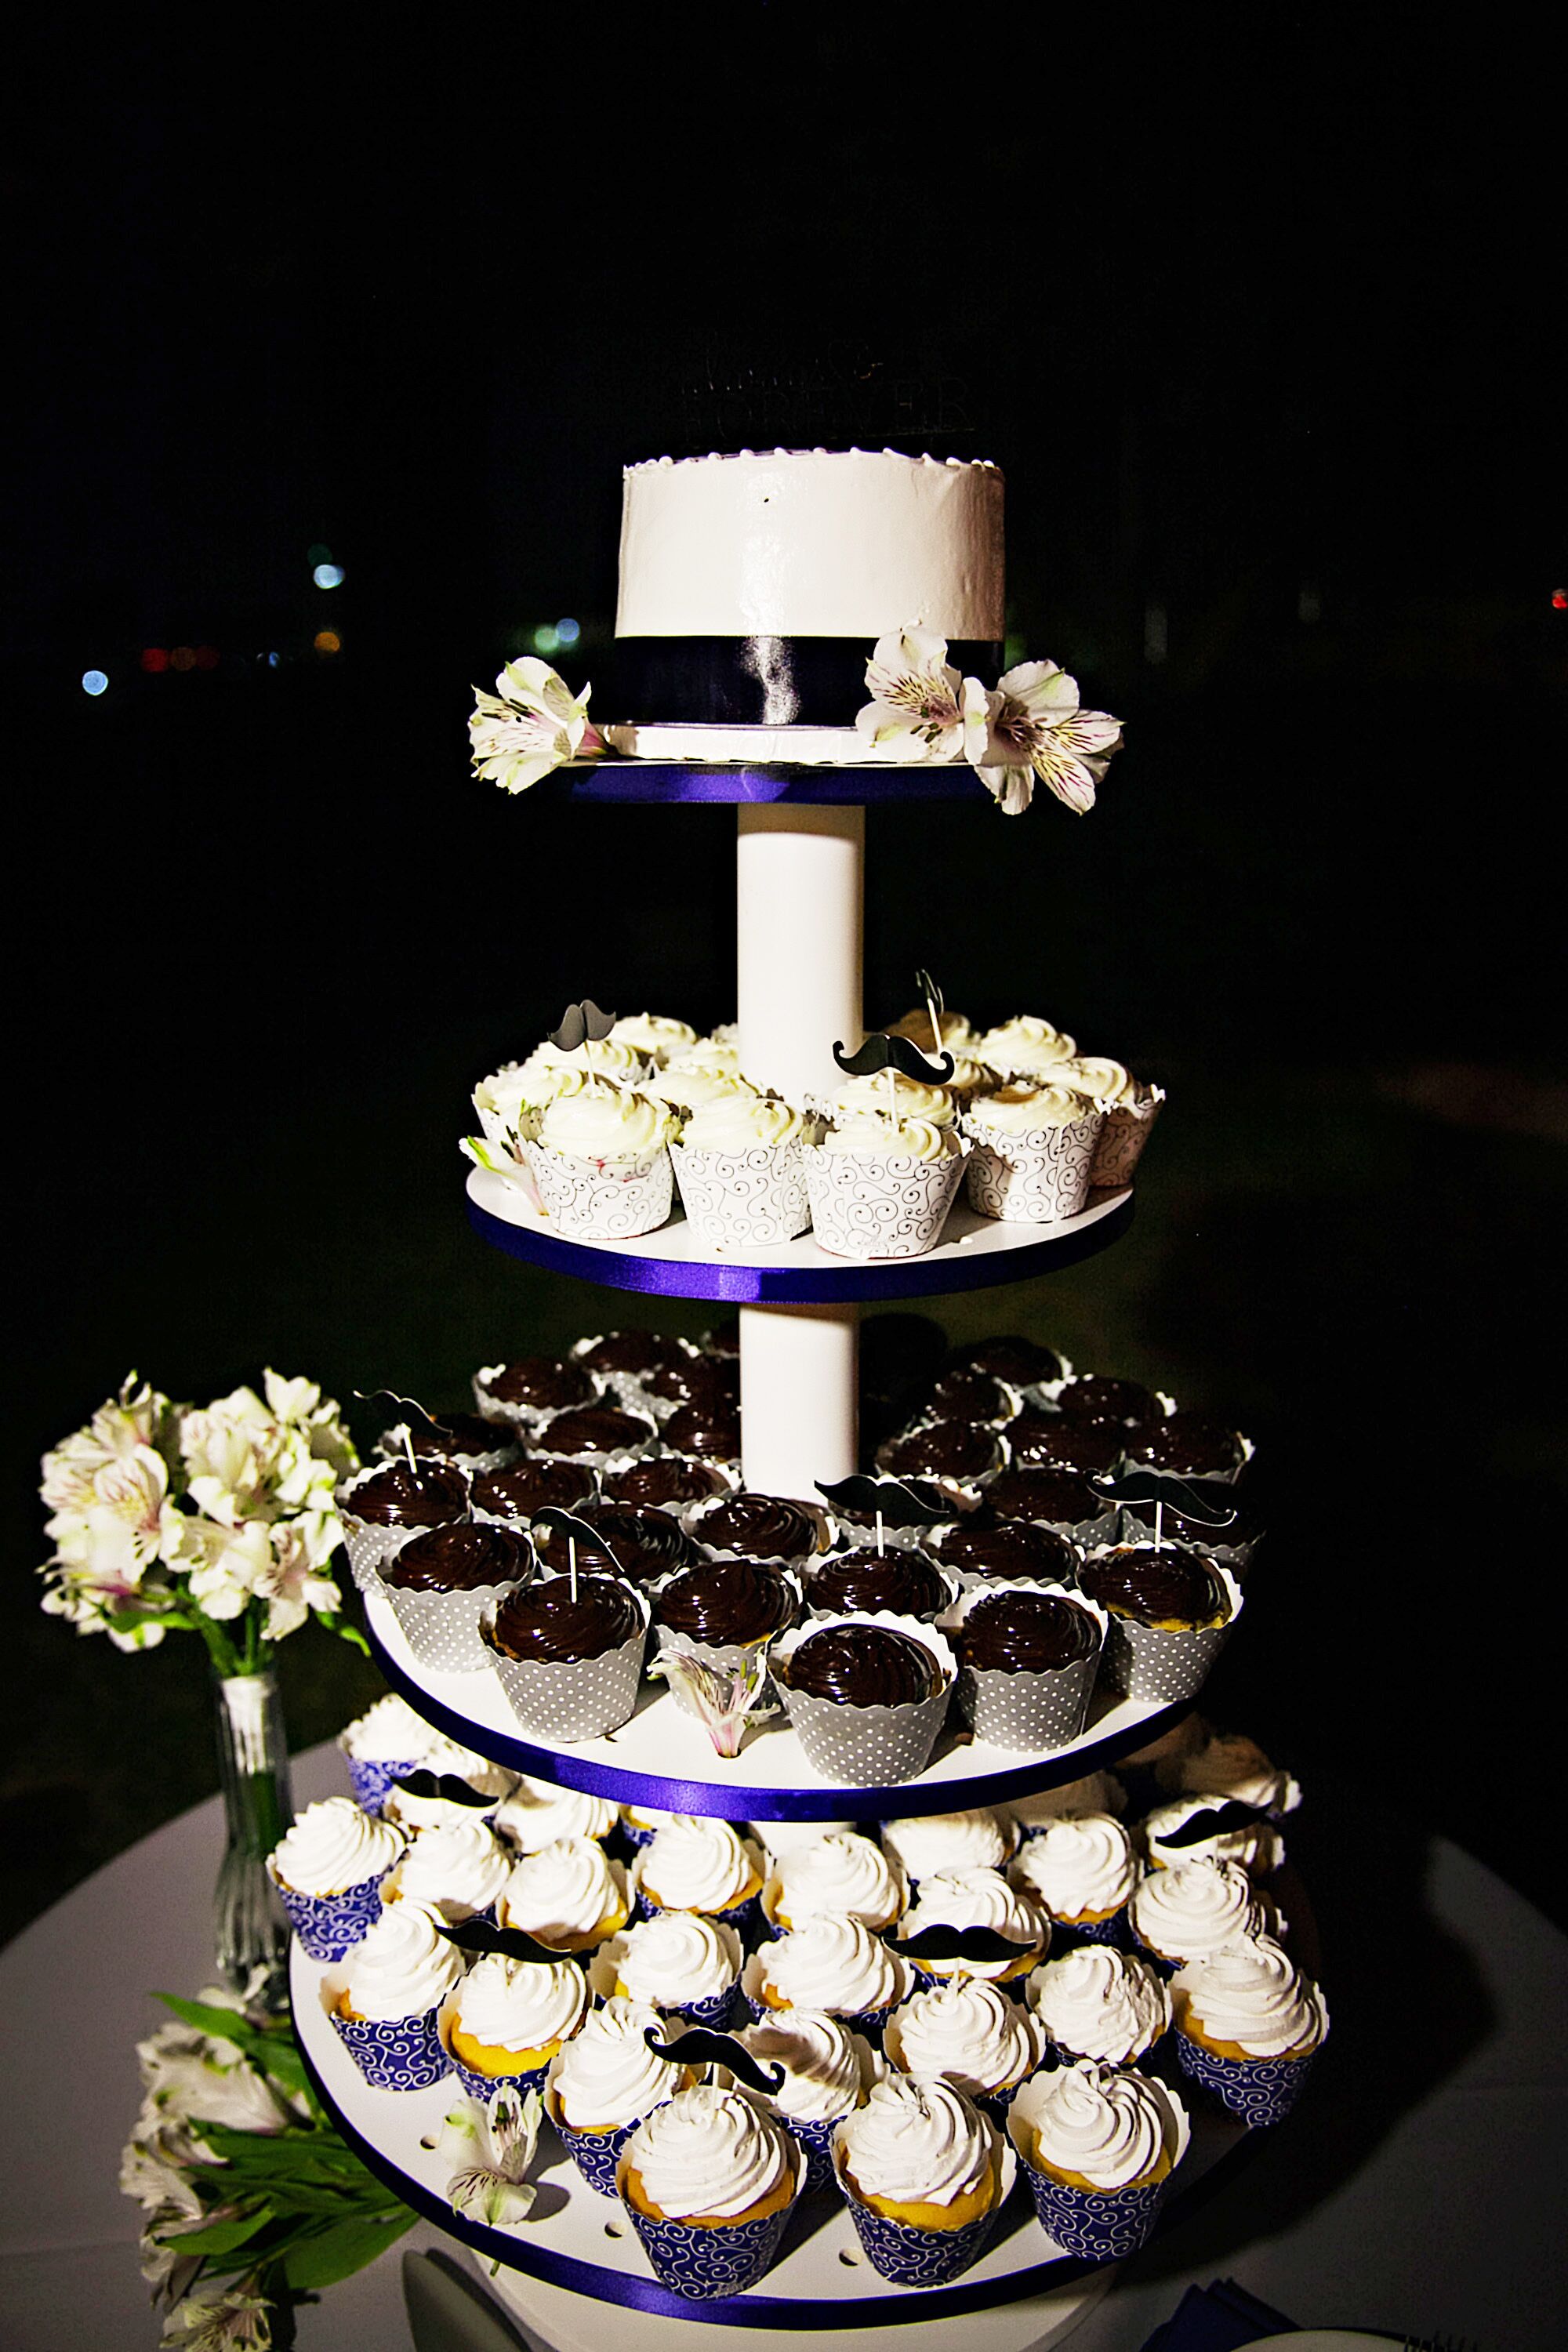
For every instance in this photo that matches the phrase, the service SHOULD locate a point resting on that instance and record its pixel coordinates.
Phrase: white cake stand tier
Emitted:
(664, 1759)
(580, 2243)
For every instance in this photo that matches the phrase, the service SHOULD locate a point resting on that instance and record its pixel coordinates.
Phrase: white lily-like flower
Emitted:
(916, 710)
(190, 2076)
(530, 726)
(1030, 726)
(291, 1584)
(218, 2318)
(492, 2148)
(226, 1563)
(126, 1525)
(117, 1429)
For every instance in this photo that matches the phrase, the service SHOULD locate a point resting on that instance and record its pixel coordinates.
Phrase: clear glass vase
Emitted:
(251, 1931)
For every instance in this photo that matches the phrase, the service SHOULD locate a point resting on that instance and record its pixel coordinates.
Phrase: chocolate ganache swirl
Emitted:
(697, 1379)
(459, 1558)
(636, 1543)
(727, 1601)
(452, 1436)
(767, 1527)
(968, 1396)
(1011, 1358)
(543, 1621)
(942, 1449)
(1030, 1491)
(711, 1436)
(1189, 1442)
(863, 1665)
(400, 1497)
(900, 1580)
(1006, 1548)
(660, 1478)
(1053, 1438)
(635, 1353)
(593, 1429)
(519, 1489)
(541, 1383)
(1026, 1632)
(1094, 1398)
(1164, 1587)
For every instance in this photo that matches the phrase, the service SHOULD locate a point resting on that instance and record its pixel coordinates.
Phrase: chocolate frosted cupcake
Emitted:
(866, 1694)
(1094, 1398)
(439, 1583)
(622, 1360)
(593, 1432)
(1171, 1609)
(1062, 1442)
(1191, 1446)
(1027, 1658)
(382, 1506)
(993, 1550)
(956, 1454)
(516, 1491)
(639, 1544)
(761, 1527)
(903, 1581)
(569, 1663)
(1053, 1498)
(973, 1395)
(722, 1612)
(521, 1394)
(1024, 1362)
(696, 1380)
(709, 1433)
(663, 1481)
(459, 1437)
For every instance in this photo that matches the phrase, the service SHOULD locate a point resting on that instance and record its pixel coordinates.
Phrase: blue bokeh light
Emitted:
(328, 575)
(94, 681)
(567, 632)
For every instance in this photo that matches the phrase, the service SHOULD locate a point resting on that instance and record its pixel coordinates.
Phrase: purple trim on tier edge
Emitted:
(668, 781)
(739, 1803)
(913, 1277)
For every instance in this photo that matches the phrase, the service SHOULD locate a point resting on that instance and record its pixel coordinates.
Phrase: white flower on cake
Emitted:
(916, 708)
(530, 726)
(1032, 726)
(492, 2146)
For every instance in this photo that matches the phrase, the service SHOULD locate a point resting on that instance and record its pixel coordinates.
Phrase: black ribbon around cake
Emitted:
(760, 681)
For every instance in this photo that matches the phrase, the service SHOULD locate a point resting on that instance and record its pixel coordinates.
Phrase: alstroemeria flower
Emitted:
(1032, 726)
(493, 2146)
(531, 725)
(215, 2317)
(226, 1563)
(116, 1429)
(291, 1583)
(915, 712)
(188, 2076)
(128, 1523)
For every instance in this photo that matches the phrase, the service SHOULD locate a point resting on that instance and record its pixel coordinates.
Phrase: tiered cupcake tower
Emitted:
(801, 835)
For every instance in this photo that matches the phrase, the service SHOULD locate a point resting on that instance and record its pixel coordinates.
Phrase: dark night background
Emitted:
(1257, 309)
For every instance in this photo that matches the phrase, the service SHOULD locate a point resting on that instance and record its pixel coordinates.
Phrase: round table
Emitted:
(1419, 2187)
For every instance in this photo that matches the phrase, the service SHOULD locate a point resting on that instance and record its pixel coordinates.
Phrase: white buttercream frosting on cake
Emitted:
(811, 544)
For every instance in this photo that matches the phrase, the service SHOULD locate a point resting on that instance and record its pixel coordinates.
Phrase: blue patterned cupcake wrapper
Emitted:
(403, 2053)
(1095, 2225)
(594, 2154)
(329, 1925)
(815, 2140)
(707, 2263)
(1257, 2091)
(373, 1780)
(745, 1918)
(1066, 1933)
(484, 2087)
(714, 2008)
(913, 2257)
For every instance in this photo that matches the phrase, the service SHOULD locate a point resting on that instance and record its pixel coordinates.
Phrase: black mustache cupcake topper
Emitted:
(897, 1502)
(1217, 1820)
(576, 1532)
(942, 1941)
(365, 1397)
(445, 1785)
(1200, 1503)
(702, 2047)
(882, 1052)
(478, 1936)
(582, 1024)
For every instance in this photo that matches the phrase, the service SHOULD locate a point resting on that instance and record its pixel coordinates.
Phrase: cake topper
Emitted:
(1217, 1816)
(367, 1395)
(882, 1052)
(1131, 1482)
(576, 1531)
(943, 1941)
(582, 1024)
(901, 1502)
(935, 1005)
(450, 1790)
(702, 2047)
(481, 1936)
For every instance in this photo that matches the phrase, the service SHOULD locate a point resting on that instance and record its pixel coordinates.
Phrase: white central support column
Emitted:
(798, 900)
(799, 1403)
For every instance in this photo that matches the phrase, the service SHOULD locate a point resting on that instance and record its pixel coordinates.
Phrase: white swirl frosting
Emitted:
(709, 2151)
(596, 1059)
(698, 1863)
(779, 1838)
(332, 1846)
(956, 1031)
(1095, 1074)
(403, 1967)
(826, 2068)
(1195, 1907)
(968, 2034)
(978, 1839)
(567, 1890)
(512, 1094)
(1252, 1995)
(1097, 2002)
(387, 1733)
(975, 1898)
(841, 1871)
(1111, 2128)
(1096, 1792)
(832, 1963)
(672, 1959)
(607, 1122)
(736, 1122)
(653, 1034)
(1081, 1868)
(457, 1871)
(521, 2004)
(693, 1087)
(715, 1052)
(606, 2076)
(875, 1136)
(1228, 1764)
(890, 1092)
(1256, 1845)
(1025, 1043)
(537, 1812)
(1028, 1109)
(917, 2143)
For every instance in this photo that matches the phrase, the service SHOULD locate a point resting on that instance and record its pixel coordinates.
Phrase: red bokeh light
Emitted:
(154, 659)
(206, 658)
(1560, 599)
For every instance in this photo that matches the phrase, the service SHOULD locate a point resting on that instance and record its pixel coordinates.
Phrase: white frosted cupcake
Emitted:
(840, 1873)
(455, 1872)
(380, 1746)
(1034, 1152)
(1130, 1109)
(329, 1867)
(779, 1838)
(1096, 1792)
(674, 1960)
(657, 1036)
(569, 1895)
(1248, 2025)
(507, 2019)
(1228, 1764)
(600, 1161)
(385, 2001)
(924, 2173)
(1080, 1871)
(888, 1094)
(881, 1187)
(834, 1964)
(698, 1862)
(1098, 2145)
(537, 1812)
(638, 1822)
(956, 1033)
(606, 2079)
(419, 1808)
(978, 1898)
(708, 2180)
(1097, 2002)
(827, 2071)
(983, 1838)
(1194, 1909)
(595, 1059)
(1169, 1835)
(1024, 1048)
(739, 1166)
(968, 2034)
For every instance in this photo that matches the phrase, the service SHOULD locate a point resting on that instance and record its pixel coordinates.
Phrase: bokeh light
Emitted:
(182, 658)
(206, 658)
(1560, 599)
(154, 660)
(94, 681)
(546, 640)
(327, 641)
(567, 633)
(328, 575)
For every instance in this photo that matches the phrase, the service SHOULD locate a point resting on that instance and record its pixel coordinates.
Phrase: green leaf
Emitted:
(346, 1633)
(224, 2024)
(222, 2237)
(342, 2248)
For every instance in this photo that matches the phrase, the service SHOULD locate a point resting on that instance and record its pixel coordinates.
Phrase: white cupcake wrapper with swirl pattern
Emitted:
(869, 1746)
(608, 1199)
(1122, 1138)
(577, 1699)
(1035, 1178)
(873, 1205)
(743, 1199)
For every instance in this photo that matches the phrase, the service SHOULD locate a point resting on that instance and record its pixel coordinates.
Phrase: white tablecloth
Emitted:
(1419, 2186)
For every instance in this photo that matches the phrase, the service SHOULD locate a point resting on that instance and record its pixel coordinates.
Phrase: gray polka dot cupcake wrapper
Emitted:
(442, 1629)
(866, 1746)
(1157, 1667)
(1040, 1712)
(370, 1547)
(582, 1698)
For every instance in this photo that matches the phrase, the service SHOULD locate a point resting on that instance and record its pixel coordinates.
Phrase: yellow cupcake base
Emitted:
(774, 2201)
